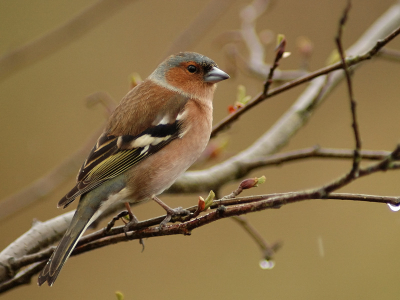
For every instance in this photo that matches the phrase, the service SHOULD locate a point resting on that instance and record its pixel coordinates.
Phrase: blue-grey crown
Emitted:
(176, 60)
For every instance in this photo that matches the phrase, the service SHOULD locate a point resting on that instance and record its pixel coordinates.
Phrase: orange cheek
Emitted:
(176, 77)
(180, 79)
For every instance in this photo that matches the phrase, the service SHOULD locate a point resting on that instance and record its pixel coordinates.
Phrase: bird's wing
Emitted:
(113, 155)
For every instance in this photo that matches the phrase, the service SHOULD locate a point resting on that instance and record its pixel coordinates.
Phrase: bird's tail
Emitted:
(81, 220)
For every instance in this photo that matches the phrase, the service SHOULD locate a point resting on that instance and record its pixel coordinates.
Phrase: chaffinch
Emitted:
(155, 134)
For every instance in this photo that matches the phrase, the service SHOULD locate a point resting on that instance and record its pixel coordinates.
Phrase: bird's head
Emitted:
(189, 73)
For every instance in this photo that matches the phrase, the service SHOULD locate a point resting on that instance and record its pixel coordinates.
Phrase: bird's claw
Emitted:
(133, 221)
(173, 212)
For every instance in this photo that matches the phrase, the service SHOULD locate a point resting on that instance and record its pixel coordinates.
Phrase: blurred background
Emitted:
(331, 249)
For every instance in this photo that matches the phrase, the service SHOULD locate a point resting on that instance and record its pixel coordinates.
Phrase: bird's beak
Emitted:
(215, 75)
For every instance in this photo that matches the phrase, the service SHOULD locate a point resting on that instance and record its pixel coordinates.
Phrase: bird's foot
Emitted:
(132, 219)
(171, 212)
(111, 224)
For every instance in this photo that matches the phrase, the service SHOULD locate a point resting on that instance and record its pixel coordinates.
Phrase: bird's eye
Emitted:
(192, 69)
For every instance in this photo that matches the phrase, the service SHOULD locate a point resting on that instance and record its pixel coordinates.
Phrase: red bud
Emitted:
(231, 109)
(249, 183)
(201, 204)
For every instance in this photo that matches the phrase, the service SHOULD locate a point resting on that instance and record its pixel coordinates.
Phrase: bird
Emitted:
(156, 133)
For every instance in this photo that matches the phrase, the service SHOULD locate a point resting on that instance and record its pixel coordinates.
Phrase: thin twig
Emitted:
(314, 152)
(246, 184)
(267, 250)
(353, 104)
(280, 50)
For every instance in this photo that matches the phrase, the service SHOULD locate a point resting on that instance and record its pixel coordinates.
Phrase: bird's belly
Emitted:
(159, 171)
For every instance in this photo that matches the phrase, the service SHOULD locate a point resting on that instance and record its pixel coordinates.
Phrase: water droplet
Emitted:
(394, 207)
(267, 264)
